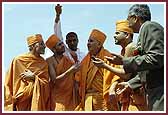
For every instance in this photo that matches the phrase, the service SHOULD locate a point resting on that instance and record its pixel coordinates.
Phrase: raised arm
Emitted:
(58, 10)
(57, 24)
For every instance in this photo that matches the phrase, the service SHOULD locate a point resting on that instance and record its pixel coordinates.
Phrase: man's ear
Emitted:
(77, 39)
(33, 47)
(135, 18)
(127, 35)
(66, 41)
(100, 44)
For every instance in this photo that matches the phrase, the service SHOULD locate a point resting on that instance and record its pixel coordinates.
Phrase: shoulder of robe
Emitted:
(50, 59)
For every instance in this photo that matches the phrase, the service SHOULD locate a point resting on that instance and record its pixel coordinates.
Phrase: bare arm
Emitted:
(118, 71)
(74, 68)
(51, 69)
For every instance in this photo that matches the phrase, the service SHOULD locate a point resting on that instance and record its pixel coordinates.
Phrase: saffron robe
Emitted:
(94, 84)
(27, 96)
(63, 96)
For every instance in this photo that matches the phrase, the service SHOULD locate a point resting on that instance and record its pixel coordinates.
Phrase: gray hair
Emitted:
(142, 11)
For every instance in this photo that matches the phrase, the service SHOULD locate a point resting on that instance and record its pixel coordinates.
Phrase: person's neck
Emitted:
(74, 50)
(58, 56)
(96, 52)
(126, 43)
(140, 26)
(35, 53)
(123, 45)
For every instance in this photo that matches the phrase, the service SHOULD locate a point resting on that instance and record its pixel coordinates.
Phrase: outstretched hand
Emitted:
(74, 68)
(123, 87)
(123, 91)
(115, 59)
(98, 62)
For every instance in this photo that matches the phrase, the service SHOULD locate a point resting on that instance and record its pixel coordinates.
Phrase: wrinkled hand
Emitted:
(58, 9)
(98, 62)
(123, 91)
(27, 75)
(123, 87)
(115, 59)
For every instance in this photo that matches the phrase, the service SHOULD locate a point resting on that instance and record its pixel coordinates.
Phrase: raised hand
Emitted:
(115, 59)
(58, 9)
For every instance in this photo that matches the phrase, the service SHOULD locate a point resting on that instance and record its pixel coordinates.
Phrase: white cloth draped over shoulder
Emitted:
(58, 32)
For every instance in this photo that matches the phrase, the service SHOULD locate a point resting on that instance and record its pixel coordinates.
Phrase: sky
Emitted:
(21, 20)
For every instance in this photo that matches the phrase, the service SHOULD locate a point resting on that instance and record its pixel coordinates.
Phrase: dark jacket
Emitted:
(150, 63)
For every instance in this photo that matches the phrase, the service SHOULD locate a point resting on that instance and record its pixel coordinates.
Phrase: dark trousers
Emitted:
(156, 98)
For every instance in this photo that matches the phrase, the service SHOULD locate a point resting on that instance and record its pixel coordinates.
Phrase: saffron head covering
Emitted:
(52, 41)
(123, 26)
(34, 39)
(98, 35)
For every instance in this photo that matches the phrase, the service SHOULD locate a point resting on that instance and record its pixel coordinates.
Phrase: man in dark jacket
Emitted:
(149, 61)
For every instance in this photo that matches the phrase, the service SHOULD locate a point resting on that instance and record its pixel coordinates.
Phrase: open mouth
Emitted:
(115, 39)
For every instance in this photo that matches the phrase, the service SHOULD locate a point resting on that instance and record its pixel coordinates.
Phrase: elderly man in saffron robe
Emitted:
(26, 83)
(62, 74)
(94, 83)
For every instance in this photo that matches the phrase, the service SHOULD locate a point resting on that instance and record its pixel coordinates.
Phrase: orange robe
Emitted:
(30, 96)
(109, 79)
(94, 84)
(63, 91)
